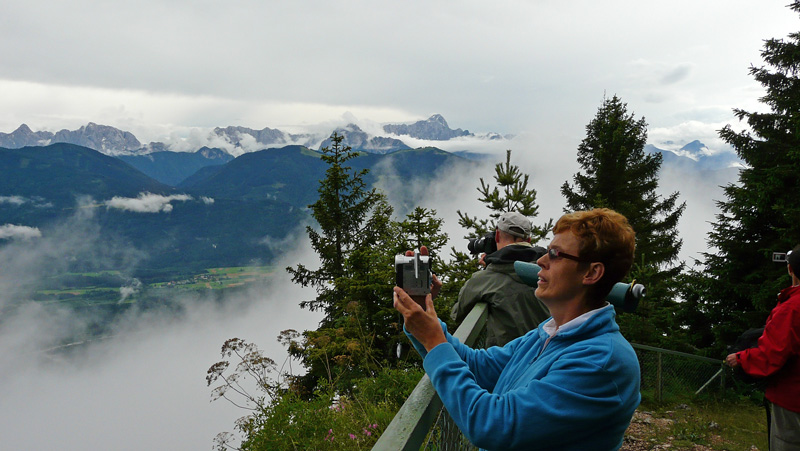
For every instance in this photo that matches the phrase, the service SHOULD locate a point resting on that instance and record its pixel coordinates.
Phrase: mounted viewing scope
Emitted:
(623, 296)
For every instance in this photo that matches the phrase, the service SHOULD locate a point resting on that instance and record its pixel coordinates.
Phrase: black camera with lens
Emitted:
(482, 245)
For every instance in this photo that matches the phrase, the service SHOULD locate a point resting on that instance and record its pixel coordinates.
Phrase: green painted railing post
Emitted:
(413, 421)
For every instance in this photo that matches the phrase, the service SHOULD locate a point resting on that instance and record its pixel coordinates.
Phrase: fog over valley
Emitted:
(143, 385)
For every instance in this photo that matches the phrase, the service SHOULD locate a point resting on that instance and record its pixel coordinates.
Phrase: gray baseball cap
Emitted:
(514, 224)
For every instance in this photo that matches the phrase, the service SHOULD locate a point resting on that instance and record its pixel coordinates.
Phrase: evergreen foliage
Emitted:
(510, 193)
(356, 243)
(617, 174)
(353, 222)
(340, 211)
(279, 418)
(421, 227)
(760, 214)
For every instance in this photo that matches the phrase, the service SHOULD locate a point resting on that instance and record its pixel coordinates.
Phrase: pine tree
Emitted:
(617, 174)
(341, 212)
(511, 193)
(422, 227)
(760, 214)
(353, 282)
(356, 243)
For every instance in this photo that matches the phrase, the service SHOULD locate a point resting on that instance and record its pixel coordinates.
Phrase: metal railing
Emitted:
(667, 373)
(422, 422)
(423, 408)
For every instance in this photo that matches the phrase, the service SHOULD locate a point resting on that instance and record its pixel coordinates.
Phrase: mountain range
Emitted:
(215, 206)
(238, 140)
(171, 168)
(229, 212)
(696, 156)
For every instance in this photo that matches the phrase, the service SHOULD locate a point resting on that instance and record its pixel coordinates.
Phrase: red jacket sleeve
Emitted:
(780, 341)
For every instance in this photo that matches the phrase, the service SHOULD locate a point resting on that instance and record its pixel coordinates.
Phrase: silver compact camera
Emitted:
(413, 273)
(779, 257)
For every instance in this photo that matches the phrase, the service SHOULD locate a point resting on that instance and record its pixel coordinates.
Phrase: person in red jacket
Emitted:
(777, 357)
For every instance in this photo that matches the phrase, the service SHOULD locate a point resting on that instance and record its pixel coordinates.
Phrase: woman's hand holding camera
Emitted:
(422, 323)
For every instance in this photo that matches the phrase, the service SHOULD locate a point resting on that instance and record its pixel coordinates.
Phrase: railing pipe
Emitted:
(413, 421)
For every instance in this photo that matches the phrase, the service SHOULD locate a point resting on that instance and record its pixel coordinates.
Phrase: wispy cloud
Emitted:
(13, 200)
(126, 291)
(676, 74)
(11, 231)
(147, 202)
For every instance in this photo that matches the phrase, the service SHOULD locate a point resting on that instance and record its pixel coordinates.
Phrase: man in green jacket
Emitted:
(513, 308)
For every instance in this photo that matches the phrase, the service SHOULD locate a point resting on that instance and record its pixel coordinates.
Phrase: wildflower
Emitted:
(352, 436)
(366, 432)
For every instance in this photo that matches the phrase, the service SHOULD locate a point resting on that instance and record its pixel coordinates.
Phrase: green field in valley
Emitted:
(112, 288)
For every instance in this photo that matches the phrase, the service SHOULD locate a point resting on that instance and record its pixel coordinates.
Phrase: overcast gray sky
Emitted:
(161, 68)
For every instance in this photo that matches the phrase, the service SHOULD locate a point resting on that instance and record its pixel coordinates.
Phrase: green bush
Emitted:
(327, 421)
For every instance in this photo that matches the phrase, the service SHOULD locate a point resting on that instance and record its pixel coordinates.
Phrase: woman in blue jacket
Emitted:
(571, 383)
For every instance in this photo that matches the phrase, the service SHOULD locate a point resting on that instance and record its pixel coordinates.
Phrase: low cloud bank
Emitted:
(21, 200)
(11, 231)
(150, 203)
(13, 200)
(144, 386)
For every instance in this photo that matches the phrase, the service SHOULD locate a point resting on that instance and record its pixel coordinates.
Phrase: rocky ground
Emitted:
(648, 432)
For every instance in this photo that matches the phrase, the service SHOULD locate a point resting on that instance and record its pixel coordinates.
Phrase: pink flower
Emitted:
(352, 436)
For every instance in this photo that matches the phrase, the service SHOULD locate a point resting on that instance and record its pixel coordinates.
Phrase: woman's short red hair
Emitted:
(605, 236)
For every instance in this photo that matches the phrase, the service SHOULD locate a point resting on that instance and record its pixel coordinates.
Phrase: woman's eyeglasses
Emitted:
(555, 254)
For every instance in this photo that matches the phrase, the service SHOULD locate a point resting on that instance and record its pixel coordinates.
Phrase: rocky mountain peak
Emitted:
(434, 128)
(438, 119)
(696, 148)
(23, 129)
(103, 138)
(23, 136)
(359, 140)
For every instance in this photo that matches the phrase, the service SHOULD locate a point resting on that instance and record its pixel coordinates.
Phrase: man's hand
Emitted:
(436, 287)
(732, 361)
(422, 324)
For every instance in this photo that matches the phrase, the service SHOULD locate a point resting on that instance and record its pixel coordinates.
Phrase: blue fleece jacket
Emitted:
(578, 393)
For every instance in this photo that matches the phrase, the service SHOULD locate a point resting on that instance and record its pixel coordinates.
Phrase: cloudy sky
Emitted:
(161, 69)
